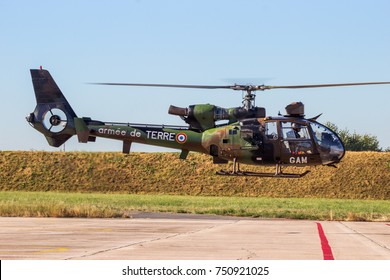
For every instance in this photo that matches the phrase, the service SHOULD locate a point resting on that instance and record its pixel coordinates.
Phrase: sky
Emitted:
(219, 42)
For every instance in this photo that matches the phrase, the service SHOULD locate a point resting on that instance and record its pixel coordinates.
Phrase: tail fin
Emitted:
(53, 116)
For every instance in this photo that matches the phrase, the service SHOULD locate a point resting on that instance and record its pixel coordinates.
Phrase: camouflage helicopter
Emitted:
(247, 135)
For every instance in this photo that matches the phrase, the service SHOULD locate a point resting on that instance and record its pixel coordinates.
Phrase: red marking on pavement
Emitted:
(388, 225)
(326, 250)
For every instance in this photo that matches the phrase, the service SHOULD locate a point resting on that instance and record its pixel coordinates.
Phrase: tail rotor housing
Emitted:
(53, 116)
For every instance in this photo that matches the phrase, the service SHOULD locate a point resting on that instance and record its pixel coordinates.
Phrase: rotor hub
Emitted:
(249, 99)
(55, 120)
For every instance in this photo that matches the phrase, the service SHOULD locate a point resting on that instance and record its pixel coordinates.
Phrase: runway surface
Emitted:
(182, 236)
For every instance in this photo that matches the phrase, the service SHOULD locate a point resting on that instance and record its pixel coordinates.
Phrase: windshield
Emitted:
(329, 145)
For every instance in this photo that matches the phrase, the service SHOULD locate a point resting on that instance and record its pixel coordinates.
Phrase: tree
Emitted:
(354, 141)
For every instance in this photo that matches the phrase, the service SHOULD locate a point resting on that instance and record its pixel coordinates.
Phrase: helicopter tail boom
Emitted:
(53, 116)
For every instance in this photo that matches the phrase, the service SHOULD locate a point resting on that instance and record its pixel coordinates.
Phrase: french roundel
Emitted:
(181, 138)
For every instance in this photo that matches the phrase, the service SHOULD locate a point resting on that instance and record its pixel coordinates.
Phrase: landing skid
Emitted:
(256, 174)
(278, 173)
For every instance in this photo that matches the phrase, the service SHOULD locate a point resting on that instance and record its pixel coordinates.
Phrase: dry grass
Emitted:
(361, 175)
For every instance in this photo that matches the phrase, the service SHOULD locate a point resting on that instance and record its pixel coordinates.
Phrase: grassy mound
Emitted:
(361, 175)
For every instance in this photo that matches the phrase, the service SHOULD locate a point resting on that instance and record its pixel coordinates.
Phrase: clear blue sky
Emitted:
(194, 42)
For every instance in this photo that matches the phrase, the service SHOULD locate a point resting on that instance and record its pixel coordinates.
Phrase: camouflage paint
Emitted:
(161, 136)
(246, 141)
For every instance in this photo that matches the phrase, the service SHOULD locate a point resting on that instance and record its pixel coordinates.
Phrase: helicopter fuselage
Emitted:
(263, 141)
(247, 136)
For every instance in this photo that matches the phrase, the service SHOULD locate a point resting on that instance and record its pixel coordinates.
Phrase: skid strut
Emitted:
(278, 172)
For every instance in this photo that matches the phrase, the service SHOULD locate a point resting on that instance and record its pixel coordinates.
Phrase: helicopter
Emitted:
(247, 135)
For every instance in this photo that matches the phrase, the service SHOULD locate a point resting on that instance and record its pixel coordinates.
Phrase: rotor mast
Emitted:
(248, 99)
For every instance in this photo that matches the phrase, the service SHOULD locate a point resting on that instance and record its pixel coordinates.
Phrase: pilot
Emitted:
(294, 133)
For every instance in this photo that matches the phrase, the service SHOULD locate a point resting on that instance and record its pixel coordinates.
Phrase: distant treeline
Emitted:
(354, 141)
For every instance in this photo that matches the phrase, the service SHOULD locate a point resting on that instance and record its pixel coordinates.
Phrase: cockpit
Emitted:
(305, 141)
(329, 145)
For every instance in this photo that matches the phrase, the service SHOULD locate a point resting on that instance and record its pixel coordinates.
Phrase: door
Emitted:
(271, 144)
(230, 145)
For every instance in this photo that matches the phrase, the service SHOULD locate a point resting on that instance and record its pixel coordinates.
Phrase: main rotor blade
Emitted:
(325, 85)
(165, 85)
(248, 88)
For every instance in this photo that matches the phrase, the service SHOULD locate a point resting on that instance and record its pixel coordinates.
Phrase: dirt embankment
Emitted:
(361, 175)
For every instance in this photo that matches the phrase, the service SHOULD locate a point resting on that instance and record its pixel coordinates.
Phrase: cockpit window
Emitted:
(296, 138)
(271, 130)
(324, 136)
(330, 146)
(292, 130)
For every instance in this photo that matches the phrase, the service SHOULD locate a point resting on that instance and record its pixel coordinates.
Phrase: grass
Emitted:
(361, 175)
(58, 184)
(96, 205)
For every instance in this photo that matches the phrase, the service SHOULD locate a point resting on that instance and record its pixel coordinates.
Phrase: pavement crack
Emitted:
(124, 246)
(150, 241)
(365, 236)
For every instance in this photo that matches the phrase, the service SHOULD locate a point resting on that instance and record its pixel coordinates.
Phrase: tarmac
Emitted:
(162, 236)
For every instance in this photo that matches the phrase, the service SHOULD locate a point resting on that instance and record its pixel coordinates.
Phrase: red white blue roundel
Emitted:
(181, 138)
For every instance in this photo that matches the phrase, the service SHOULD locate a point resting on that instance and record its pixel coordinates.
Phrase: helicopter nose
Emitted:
(329, 144)
(338, 154)
(334, 154)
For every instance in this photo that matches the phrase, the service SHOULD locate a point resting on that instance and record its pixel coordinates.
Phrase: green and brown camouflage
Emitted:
(174, 137)
(247, 136)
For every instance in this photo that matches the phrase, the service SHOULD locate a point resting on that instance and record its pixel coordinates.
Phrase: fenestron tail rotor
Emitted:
(55, 120)
(53, 116)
